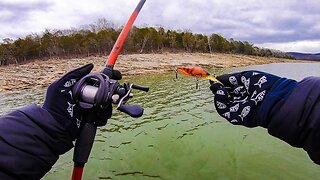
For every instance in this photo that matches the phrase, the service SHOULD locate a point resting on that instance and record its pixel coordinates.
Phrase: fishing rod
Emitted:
(96, 91)
(123, 35)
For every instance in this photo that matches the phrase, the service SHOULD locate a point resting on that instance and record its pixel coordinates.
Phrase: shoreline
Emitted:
(40, 73)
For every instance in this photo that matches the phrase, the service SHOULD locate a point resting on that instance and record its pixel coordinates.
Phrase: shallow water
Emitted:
(181, 136)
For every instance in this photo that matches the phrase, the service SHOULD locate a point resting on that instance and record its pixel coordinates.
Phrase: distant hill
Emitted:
(305, 56)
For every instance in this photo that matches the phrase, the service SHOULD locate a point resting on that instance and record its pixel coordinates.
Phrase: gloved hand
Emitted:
(60, 104)
(239, 100)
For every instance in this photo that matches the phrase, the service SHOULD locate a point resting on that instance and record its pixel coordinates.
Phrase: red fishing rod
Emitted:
(87, 91)
(123, 35)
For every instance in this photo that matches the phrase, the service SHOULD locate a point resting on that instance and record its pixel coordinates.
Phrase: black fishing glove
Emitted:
(240, 99)
(61, 105)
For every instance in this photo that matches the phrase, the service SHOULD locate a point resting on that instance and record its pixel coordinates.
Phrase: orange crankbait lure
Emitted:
(197, 72)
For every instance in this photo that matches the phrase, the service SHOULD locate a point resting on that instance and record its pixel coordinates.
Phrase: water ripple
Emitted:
(180, 136)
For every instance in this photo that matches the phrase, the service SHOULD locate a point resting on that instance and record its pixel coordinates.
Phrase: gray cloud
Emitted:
(16, 13)
(257, 21)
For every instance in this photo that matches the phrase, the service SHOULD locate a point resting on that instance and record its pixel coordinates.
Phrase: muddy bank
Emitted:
(39, 74)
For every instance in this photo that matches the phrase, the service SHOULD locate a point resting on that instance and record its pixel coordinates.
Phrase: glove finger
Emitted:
(238, 91)
(221, 101)
(214, 87)
(234, 112)
(245, 78)
(116, 75)
(73, 76)
(258, 81)
(230, 80)
(241, 113)
(102, 117)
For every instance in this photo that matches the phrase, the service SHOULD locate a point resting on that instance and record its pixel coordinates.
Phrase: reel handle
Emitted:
(141, 88)
(134, 110)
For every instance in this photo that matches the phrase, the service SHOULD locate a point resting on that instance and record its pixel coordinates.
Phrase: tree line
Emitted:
(99, 38)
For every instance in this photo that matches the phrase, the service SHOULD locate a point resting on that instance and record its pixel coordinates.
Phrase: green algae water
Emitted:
(181, 136)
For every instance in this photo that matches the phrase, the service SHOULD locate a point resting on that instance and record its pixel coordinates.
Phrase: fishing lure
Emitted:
(197, 72)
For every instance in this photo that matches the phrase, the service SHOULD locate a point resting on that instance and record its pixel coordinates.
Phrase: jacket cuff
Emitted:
(275, 98)
(297, 120)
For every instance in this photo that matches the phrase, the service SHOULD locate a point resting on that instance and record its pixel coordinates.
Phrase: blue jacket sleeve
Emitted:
(31, 142)
(294, 117)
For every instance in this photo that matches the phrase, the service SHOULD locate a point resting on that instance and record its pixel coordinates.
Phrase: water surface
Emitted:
(181, 136)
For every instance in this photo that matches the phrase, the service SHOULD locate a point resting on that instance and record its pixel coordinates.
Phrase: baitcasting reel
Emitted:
(99, 91)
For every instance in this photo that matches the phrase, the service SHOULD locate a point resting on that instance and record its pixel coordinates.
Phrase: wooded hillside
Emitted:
(98, 39)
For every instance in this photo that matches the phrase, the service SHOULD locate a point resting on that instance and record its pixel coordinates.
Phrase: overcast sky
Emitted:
(287, 25)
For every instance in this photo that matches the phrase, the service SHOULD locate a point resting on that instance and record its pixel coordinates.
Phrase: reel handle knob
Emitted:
(132, 110)
(141, 88)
